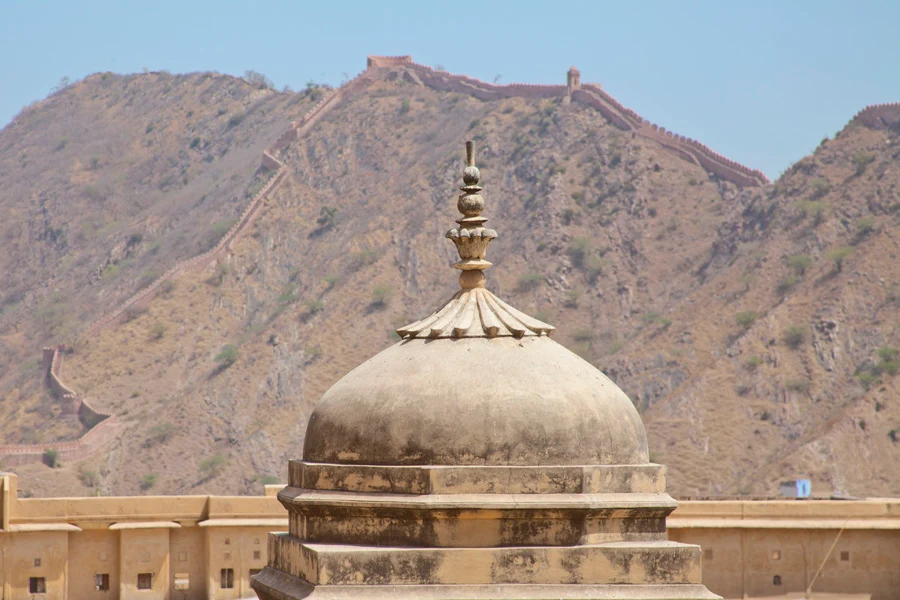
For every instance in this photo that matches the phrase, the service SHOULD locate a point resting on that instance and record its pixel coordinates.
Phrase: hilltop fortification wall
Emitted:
(878, 116)
(271, 162)
(590, 95)
(101, 427)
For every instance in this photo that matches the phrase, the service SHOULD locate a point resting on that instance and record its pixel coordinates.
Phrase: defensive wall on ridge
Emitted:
(591, 95)
(878, 116)
(102, 426)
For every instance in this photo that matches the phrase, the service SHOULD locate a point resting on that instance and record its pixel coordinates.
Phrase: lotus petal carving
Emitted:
(475, 313)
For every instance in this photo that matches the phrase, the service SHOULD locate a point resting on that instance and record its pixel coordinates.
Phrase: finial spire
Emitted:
(471, 238)
(473, 311)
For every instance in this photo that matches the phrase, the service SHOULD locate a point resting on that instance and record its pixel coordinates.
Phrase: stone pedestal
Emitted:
(445, 532)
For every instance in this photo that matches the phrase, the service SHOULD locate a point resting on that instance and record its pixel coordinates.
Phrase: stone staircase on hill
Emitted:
(102, 426)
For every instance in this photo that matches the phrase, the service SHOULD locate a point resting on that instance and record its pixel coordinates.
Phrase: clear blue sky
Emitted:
(761, 82)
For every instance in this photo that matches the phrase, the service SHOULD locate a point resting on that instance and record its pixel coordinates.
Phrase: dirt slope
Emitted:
(748, 365)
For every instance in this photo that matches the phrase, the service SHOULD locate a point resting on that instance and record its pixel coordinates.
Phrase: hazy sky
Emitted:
(761, 82)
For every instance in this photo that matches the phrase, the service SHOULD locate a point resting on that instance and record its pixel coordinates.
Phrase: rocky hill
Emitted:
(753, 324)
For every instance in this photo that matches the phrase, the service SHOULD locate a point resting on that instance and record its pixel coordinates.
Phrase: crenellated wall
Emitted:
(101, 426)
(588, 94)
(878, 116)
(591, 95)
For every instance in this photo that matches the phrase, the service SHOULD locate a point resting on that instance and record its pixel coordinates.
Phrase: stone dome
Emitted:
(475, 383)
(476, 401)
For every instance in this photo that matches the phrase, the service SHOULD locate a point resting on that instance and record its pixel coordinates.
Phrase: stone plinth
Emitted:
(574, 531)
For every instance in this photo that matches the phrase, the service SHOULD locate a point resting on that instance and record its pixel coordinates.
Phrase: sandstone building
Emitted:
(151, 547)
(70, 544)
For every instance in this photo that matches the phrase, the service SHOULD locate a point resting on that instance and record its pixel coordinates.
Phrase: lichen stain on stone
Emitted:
(571, 562)
(668, 567)
(518, 565)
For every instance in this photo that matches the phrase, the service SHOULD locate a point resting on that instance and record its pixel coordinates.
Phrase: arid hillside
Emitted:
(753, 327)
(105, 184)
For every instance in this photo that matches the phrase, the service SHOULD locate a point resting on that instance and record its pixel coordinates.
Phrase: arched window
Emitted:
(776, 580)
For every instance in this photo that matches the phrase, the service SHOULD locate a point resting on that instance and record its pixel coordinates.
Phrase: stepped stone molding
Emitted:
(591, 95)
(878, 116)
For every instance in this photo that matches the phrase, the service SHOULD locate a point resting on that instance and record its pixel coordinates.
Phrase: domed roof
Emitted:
(475, 383)
(476, 401)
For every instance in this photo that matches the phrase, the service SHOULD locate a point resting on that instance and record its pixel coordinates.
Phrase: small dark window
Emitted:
(37, 562)
(101, 582)
(845, 555)
(37, 585)
(776, 580)
(256, 555)
(707, 554)
(145, 581)
(227, 581)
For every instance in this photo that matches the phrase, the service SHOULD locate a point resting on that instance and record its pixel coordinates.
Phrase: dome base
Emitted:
(272, 584)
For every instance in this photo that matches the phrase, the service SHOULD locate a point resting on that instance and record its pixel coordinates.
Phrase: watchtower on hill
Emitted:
(573, 80)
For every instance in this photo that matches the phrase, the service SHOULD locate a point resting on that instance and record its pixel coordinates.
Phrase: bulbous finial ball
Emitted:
(470, 205)
(471, 176)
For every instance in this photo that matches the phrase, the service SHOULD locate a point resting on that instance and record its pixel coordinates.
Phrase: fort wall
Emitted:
(878, 116)
(102, 427)
(591, 95)
(588, 94)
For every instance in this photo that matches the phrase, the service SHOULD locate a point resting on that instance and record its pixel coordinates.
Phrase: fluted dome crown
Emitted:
(476, 383)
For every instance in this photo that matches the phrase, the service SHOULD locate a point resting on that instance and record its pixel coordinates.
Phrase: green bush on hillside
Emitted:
(745, 319)
(213, 465)
(794, 335)
(227, 356)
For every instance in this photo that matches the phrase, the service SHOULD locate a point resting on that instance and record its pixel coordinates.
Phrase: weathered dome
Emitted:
(476, 401)
(475, 383)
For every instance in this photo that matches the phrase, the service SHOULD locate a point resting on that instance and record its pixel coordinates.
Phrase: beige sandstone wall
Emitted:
(738, 540)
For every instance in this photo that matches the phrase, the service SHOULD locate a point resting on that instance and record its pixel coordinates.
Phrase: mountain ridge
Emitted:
(566, 251)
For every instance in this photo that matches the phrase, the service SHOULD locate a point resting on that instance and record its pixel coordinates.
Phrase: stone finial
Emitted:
(473, 311)
(471, 237)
